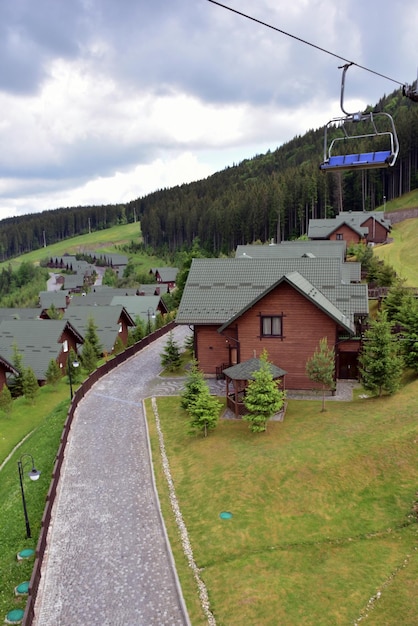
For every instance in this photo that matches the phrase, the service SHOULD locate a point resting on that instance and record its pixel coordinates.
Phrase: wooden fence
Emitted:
(56, 473)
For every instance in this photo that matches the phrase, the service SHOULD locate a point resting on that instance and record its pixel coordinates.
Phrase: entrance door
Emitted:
(348, 366)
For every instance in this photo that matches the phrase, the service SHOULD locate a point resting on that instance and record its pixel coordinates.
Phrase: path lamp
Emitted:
(33, 475)
(70, 367)
(151, 315)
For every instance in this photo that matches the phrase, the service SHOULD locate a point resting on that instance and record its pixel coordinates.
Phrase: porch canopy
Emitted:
(237, 376)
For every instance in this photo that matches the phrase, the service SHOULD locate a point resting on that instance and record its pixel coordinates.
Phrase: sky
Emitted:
(105, 101)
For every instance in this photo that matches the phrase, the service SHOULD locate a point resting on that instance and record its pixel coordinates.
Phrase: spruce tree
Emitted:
(30, 385)
(320, 368)
(16, 383)
(204, 413)
(380, 363)
(6, 400)
(195, 384)
(170, 357)
(263, 398)
(53, 373)
(88, 357)
(92, 337)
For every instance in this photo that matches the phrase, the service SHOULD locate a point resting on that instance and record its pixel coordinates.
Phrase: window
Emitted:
(271, 326)
(339, 236)
(65, 346)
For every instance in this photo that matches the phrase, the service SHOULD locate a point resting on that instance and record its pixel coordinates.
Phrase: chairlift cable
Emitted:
(308, 43)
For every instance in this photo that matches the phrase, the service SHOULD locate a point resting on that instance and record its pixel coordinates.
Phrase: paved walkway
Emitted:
(108, 561)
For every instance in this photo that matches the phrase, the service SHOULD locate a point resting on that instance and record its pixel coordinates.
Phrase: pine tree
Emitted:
(88, 357)
(195, 385)
(30, 385)
(170, 357)
(262, 398)
(320, 368)
(92, 337)
(53, 373)
(380, 363)
(16, 383)
(118, 347)
(204, 413)
(6, 400)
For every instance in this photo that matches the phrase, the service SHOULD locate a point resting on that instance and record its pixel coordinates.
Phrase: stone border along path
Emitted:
(108, 561)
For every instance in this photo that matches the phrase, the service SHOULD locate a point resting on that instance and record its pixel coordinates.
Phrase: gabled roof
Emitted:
(138, 306)
(106, 318)
(217, 289)
(303, 286)
(57, 298)
(7, 314)
(167, 274)
(110, 258)
(321, 229)
(38, 341)
(102, 298)
(294, 249)
(73, 281)
(246, 369)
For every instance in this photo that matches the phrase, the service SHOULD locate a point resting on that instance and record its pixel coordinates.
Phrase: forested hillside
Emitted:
(269, 196)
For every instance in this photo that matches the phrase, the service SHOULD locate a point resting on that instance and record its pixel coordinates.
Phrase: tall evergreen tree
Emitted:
(30, 385)
(16, 383)
(6, 400)
(204, 413)
(53, 373)
(170, 357)
(92, 337)
(88, 357)
(321, 367)
(380, 363)
(195, 385)
(263, 398)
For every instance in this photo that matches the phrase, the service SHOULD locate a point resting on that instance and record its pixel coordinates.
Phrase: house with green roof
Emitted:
(39, 341)
(238, 307)
(352, 227)
(111, 322)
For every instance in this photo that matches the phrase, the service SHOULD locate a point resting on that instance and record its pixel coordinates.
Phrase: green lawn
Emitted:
(43, 421)
(103, 240)
(322, 512)
(402, 254)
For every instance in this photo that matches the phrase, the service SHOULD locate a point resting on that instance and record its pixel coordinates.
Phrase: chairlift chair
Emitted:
(410, 91)
(379, 126)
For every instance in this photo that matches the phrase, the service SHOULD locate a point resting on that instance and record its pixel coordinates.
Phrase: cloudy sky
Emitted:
(104, 101)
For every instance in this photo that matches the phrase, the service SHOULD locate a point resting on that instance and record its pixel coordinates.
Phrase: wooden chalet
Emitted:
(39, 341)
(238, 307)
(111, 322)
(6, 369)
(166, 276)
(353, 227)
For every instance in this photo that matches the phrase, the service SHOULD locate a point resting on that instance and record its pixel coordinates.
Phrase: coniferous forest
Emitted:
(272, 195)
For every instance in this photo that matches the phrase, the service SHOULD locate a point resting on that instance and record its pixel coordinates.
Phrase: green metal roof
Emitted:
(354, 219)
(217, 289)
(246, 369)
(106, 319)
(37, 340)
(313, 294)
(294, 249)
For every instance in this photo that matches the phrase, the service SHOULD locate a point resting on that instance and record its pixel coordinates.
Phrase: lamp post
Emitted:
(70, 367)
(384, 204)
(150, 314)
(33, 475)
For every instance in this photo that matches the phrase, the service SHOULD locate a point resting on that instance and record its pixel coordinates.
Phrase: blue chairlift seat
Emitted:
(367, 160)
(373, 127)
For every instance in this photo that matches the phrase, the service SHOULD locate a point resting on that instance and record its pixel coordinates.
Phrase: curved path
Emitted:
(108, 562)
